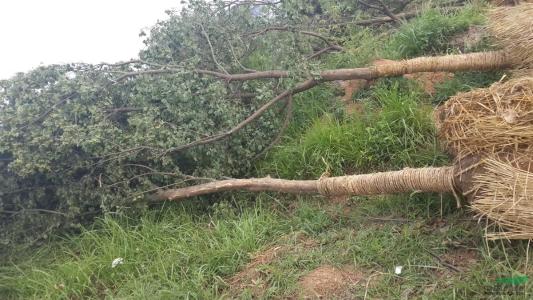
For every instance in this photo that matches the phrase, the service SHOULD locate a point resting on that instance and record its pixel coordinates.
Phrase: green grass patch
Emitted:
(463, 82)
(430, 33)
(396, 132)
(173, 254)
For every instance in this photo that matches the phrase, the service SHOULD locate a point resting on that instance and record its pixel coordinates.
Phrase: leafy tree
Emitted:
(79, 139)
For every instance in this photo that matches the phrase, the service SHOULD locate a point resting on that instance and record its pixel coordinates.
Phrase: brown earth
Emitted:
(462, 258)
(468, 39)
(254, 276)
(350, 87)
(328, 282)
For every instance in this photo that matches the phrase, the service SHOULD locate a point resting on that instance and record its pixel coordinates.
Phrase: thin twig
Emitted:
(204, 33)
(310, 83)
(443, 262)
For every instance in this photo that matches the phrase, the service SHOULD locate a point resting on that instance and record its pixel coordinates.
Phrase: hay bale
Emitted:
(505, 197)
(512, 28)
(497, 119)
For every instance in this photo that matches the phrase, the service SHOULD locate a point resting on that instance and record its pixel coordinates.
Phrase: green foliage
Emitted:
(399, 134)
(74, 143)
(362, 47)
(430, 32)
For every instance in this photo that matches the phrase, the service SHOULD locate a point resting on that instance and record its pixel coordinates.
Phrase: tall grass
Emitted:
(167, 255)
(396, 131)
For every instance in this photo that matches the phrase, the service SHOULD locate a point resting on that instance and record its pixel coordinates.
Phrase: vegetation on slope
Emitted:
(197, 250)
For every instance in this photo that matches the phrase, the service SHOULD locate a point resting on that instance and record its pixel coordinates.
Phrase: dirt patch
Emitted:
(468, 39)
(428, 80)
(350, 87)
(462, 258)
(327, 282)
(255, 275)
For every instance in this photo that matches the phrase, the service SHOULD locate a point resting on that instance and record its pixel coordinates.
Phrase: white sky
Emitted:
(34, 32)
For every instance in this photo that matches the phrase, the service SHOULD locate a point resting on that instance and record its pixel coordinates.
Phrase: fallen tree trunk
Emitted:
(479, 61)
(407, 180)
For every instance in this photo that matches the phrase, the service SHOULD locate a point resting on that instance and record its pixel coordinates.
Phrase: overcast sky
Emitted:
(35, 32)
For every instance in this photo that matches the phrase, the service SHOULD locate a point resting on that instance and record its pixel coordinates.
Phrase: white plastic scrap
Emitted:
(117, 261)
(398, 270)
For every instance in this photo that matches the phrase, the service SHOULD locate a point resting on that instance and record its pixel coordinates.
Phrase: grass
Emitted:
(395, 131)
(177, 253)
(430, 33)
(193, 250)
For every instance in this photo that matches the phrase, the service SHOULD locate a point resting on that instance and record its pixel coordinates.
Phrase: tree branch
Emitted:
(448, 63)
(383, 8)
(304, 32)
(204, 33)
(429, 179)
(310, 83)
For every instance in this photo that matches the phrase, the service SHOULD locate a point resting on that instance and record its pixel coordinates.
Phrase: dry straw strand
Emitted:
(512, 28)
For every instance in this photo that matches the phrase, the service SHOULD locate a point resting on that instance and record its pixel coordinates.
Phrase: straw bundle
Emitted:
(512, 28)
(505, 196)
(491, 120)
(490, 132)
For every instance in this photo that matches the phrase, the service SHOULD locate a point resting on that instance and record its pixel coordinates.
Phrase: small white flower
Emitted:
(117, 261)
(398, 270)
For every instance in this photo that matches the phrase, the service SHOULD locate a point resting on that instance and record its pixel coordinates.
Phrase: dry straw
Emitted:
(505, 196)
(494, 124)
(512, 28)
(491, 120)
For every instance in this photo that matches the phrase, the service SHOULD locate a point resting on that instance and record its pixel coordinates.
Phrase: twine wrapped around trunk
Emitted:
(450, 63)
(383, 183)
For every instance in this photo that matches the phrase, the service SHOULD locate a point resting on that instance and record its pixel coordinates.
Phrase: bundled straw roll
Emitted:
(497, 119)
(504, 196)
(512, 28)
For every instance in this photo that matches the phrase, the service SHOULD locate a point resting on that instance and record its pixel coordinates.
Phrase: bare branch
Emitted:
(320, 52)
(289, 29)
(429, 179)
(154, 172)
(388, 12)
(122, 110)
(61, 101)
(383, 8)
(204, 33)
